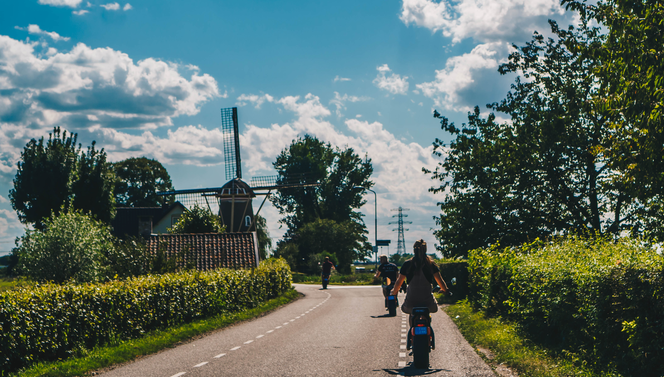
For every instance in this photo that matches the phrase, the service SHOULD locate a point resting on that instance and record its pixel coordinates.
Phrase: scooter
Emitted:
(391, 301)
(326, 279)
(421, 337)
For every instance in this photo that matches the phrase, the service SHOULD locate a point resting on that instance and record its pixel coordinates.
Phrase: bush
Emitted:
(49, 322)
(197, 220)
(599, 298)
(72, 246)
(455, 275)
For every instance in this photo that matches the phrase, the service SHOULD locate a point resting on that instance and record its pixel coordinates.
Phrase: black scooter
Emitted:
(421, 338)
(326, 279)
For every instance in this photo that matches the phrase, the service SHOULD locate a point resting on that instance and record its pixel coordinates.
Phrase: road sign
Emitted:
(382, 242)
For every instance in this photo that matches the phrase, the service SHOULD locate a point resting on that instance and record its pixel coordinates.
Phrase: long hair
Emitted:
(420, 259)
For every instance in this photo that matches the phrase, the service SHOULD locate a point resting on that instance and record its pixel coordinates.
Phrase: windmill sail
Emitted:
(231, 137)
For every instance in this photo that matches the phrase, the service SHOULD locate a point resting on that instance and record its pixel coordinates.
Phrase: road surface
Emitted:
(341, 331)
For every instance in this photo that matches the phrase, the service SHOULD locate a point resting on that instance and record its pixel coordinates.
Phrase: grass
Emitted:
(7, 283)
(87, 361)
(513, 349)
(338, 279)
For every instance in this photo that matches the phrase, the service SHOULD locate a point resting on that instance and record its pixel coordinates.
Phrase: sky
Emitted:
(149, 77)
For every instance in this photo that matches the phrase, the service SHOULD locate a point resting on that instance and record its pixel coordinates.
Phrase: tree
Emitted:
(263, 235)
(59, 175)
(632, 72)
(138, 180)
(338, 171)
(545, 172)
(197, 220)
(336, 198)
(73, 245)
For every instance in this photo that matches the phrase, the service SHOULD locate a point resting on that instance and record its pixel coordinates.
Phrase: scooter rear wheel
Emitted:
(421, 352)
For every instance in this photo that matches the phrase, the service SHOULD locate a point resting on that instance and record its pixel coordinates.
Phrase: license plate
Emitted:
(420, 331)
(390, 297)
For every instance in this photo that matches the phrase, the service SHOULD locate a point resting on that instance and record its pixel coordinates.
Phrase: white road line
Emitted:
(260, 336)
(200, 365)
(278, 327)
(403, 347)
(297, 317)
(403, 335)
(402, 363)
(403, 325)
(402, 354)
(293, 319)
(269, 331)
(220, 355)
(235, 348)
(403, 340)
(179, 374)
(248, 341)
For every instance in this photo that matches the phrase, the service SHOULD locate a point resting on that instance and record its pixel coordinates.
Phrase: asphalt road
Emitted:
(341, 331)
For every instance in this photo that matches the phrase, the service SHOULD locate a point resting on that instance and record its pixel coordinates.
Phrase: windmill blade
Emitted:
(231, 137)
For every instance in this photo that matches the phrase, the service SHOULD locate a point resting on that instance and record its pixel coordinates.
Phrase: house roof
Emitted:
(209, 250)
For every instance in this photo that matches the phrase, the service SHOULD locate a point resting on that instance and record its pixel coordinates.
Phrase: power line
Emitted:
(401, 243)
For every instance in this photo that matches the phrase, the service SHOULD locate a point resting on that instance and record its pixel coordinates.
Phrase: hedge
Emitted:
(455, 275)
(49, 322)
(601, 299)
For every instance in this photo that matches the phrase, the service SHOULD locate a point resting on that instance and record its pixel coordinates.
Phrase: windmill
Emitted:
(233, 201)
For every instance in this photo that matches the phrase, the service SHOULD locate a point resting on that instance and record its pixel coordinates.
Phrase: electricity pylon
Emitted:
(401, 243)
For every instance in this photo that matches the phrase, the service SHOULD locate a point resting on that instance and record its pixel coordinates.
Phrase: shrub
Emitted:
(596, 297)
(72, 246)
(197, 220)
(49, 321)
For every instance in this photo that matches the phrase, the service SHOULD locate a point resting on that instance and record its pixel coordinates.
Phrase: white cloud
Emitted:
(340, 101)
(35, 29)
(80, 12)
(394, 84)
(88, 89)
(9, 227)
(3, 199)
(127, 7)
(483, 20)
(461, 75)
(255, 99)
(111, 6)
(61, 3)
(337, 78)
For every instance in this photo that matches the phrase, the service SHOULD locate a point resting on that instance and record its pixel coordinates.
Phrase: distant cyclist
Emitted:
(327, 269)
(389, 272)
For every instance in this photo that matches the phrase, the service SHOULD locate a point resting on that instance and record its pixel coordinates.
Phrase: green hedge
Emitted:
(455, 274)
(601, 299)
(49, 322)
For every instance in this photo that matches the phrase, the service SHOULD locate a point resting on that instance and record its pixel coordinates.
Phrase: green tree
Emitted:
(73, 245)
(138, 179)
(57, 174)
(263, 235)
(546, 171)
(197, 220)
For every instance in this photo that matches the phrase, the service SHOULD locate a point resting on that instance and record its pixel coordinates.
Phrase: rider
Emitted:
(420, 272)
(389, 272)
(327, 268)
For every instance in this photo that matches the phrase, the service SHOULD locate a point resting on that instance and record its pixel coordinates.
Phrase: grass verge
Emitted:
(119, 352)
(510, 348)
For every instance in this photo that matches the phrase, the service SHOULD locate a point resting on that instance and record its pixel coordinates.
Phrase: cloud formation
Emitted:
(61, 3)
(35, 29)
(111, 6)
(339, 101)
(483, 20)
(337, 78)
(394, 83)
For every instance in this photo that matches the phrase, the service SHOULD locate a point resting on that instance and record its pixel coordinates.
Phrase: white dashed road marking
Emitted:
(220, 355)
(200, 365)
(179, 374)
(235, 348)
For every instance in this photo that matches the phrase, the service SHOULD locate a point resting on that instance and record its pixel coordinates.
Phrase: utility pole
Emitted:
(401, 243)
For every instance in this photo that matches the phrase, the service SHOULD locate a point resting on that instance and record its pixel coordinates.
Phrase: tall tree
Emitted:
(263, 235)
(337, 198)
(138, 180)
(546, 171)
(56, 175)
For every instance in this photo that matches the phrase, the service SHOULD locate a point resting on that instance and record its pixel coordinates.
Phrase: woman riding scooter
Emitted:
(420, 272)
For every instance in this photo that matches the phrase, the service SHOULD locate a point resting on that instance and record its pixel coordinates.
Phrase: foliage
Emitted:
(72, 246)
(548, 170)
(339, 279)
(138, 179)
(263, 235)
(197, 220)
(346, 240)
(632, 72)
(129, 258)
(59, 175)
(49, 322)
(399, 259)
(455, 275)
(338, 171)
(595, 297)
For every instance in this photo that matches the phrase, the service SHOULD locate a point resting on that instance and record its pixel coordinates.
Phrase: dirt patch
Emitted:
(501, 369)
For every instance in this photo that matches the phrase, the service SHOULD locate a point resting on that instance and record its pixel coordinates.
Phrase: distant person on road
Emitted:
(420, 272)
(389, 272)
(327, 268)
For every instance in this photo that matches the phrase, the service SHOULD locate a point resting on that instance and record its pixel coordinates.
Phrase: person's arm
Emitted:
(441, 282)
(397, 285)
(377, 275)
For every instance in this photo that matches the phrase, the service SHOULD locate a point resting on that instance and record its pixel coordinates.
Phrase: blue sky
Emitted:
(147, 78)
